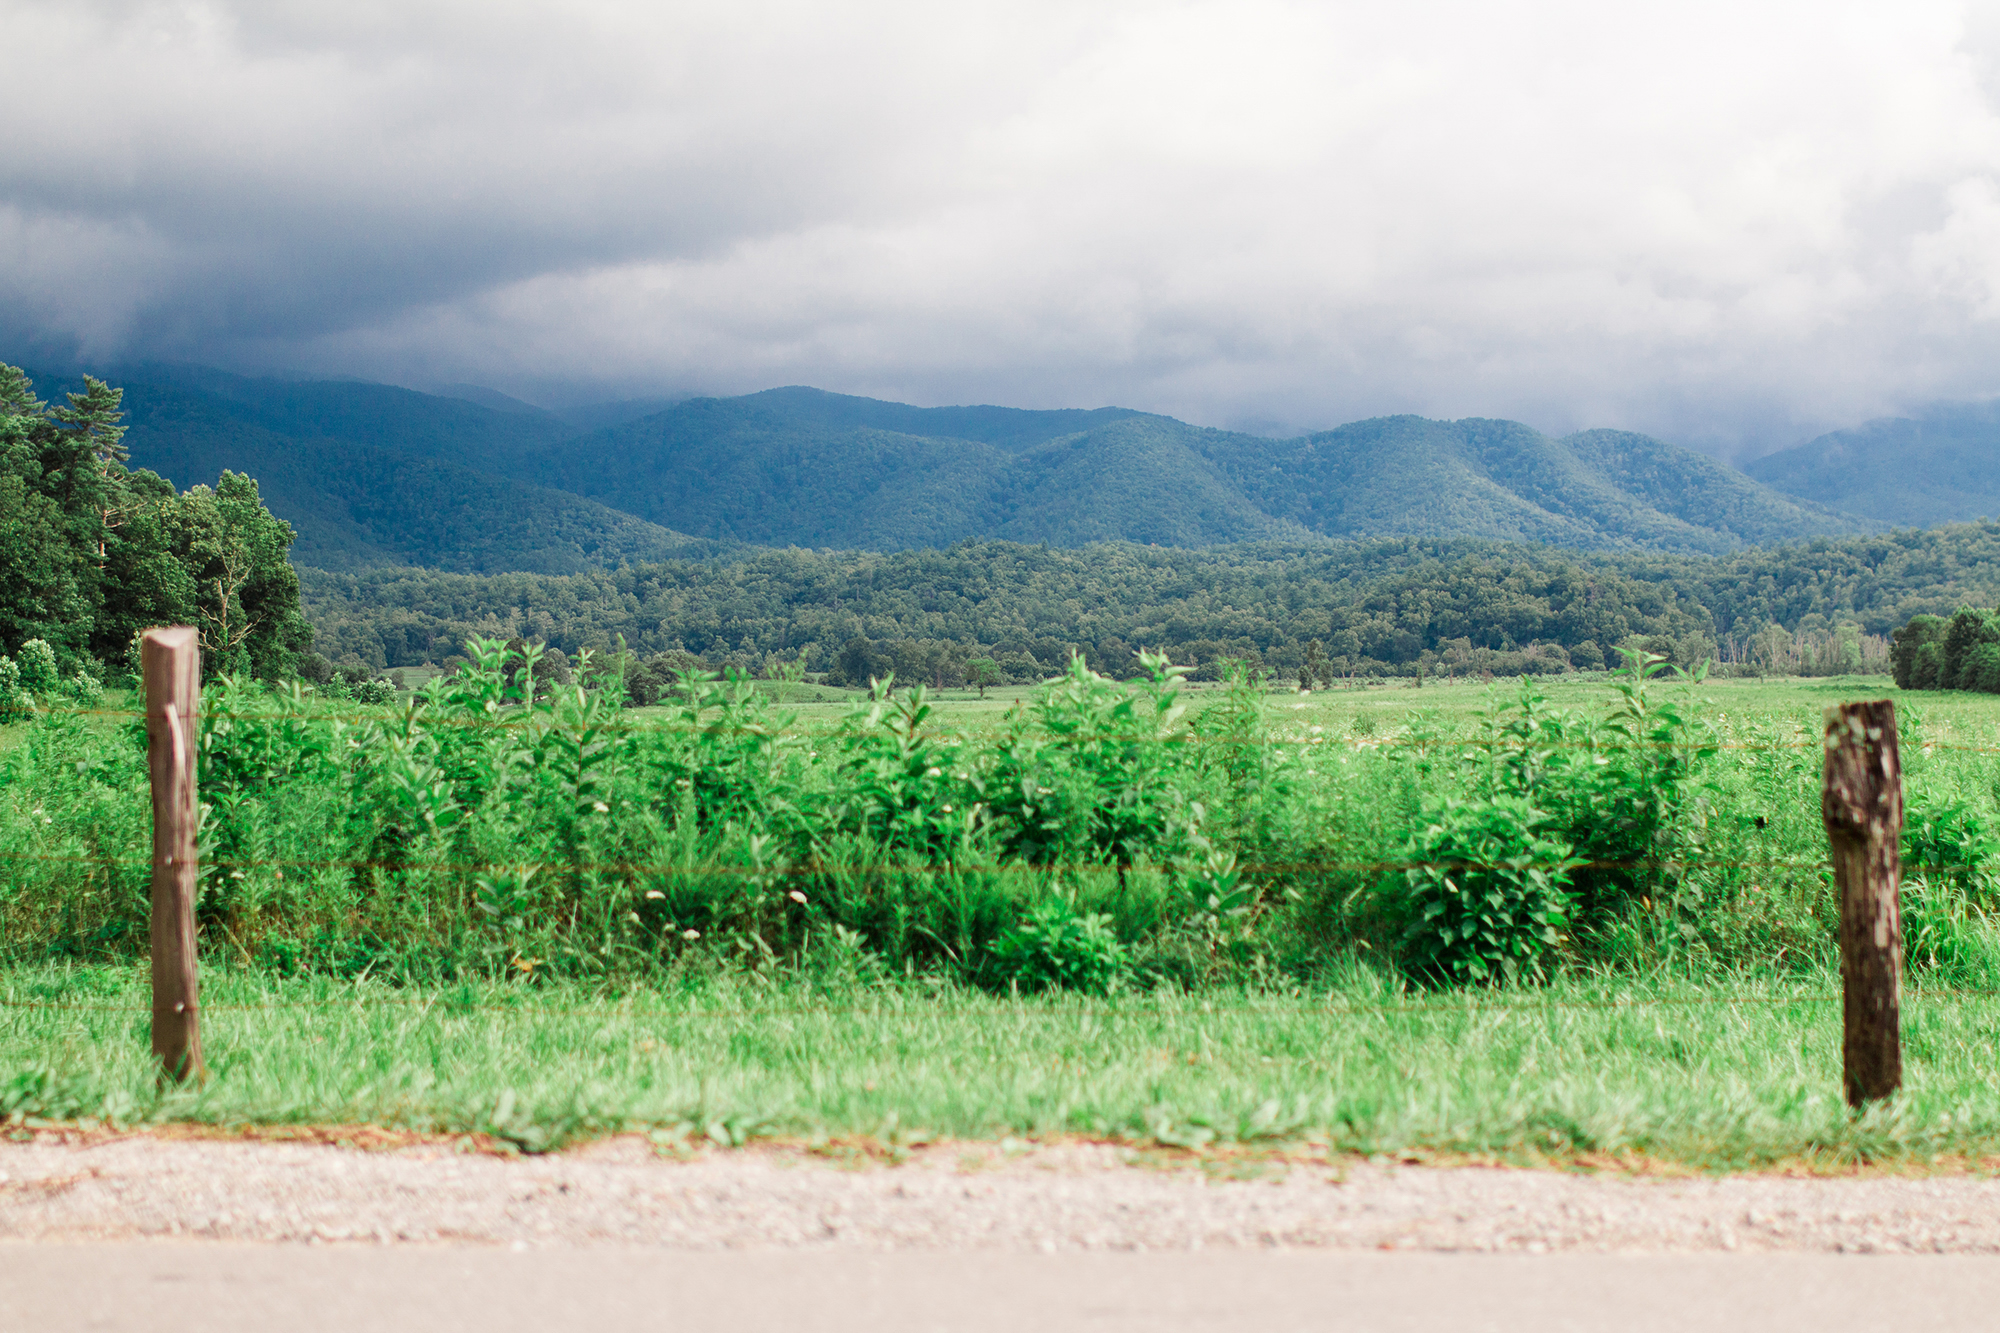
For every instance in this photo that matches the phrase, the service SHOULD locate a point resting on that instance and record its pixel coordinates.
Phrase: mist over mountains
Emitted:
(373, 475)
(1941, 466)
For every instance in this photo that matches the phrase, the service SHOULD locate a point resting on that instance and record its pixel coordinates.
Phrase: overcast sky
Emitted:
(1730, 224)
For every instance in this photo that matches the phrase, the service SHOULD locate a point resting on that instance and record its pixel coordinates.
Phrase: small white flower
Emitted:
(933, 772)
(796, 896)
(601, 808)
(654, 893)
(690, 934)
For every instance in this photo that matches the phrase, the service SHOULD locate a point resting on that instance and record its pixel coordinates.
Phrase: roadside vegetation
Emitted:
(1558, 917)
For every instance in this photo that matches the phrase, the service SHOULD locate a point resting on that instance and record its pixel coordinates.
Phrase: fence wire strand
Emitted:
(1468, 1007)
(1442, 745)
(1185, 737)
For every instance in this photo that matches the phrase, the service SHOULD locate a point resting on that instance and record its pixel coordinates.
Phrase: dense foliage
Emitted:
(1959, 652)
(1392, 606)
(94, 551)
(1105, 835)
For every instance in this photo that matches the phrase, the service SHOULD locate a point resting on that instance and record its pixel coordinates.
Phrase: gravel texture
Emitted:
(945, 1197)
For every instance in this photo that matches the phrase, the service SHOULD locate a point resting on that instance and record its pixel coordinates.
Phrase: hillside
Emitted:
(1910, 471)
(1508, 482)
(373, 474)
(355, 504)
(796, 466)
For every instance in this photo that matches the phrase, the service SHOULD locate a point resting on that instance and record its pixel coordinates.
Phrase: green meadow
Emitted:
(1581, 920)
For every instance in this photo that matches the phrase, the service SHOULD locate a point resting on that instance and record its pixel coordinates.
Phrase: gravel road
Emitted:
(962, 1197)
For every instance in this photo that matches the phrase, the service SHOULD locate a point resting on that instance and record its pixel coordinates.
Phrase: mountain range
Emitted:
(468, 479)
(1938, 467)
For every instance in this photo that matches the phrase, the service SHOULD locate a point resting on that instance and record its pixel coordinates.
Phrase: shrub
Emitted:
(1486, 893)
(83, 689)
(37, 662)
(1055, 948)
(1948, 840)
(1947, 854)
(15, 702)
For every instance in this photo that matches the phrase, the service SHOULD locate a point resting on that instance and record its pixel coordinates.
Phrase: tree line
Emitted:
(1958, 652)
(1382, 607)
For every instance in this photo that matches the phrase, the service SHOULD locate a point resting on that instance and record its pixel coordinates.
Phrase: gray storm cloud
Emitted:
(1725, 223)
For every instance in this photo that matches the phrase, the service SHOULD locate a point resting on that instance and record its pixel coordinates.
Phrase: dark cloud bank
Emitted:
(1729, 225)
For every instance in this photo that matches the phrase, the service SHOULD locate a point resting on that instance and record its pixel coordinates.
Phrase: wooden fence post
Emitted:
(171, 660)
(1862, 804)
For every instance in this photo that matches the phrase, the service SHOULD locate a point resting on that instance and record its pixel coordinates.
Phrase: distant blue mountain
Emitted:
(370, 474)
(1940, 467)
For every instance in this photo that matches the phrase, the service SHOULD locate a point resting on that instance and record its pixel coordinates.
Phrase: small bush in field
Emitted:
(1948, 854)
(1486, 894)
(15, 702)
(1948, 838)
(1055, 948)
(37, 662)
(83, 689)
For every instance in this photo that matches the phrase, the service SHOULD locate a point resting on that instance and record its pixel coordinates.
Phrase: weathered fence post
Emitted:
(1862, 803)
(171, 660)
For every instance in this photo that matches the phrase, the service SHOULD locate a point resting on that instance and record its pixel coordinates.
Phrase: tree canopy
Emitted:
(95, 552)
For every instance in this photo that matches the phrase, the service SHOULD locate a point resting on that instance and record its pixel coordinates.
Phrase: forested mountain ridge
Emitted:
(735, 469)
(1503, 481)
(357, 502)
(1943, 466)
(808, 468)
(371, 474)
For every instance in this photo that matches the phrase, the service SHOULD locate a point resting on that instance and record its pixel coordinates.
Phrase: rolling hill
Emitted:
(1943, 466)
(371, 474)
(1600, 489)
(357, 504)
(815, 469)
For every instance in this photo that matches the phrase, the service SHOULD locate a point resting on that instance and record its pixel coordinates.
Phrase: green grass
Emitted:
(1592, 1069)
(1721, 1053)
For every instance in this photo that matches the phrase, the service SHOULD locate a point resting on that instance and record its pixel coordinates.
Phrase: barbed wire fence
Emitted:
(174, 739)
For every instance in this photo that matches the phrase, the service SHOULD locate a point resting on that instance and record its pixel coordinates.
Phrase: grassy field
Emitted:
(1585, 1070)
(1718, 1053)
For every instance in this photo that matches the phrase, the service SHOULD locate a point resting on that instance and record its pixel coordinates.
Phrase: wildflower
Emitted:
(933, 772)
(796, 896)
(690, 934)
(601, 808)
(654, 893)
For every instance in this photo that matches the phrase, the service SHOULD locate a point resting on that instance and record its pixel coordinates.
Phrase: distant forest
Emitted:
(1387, 607)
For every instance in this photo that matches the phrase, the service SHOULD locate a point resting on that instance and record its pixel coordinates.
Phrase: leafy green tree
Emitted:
(246, 597)
(981, 672)
(95, 552)
(860, 662)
